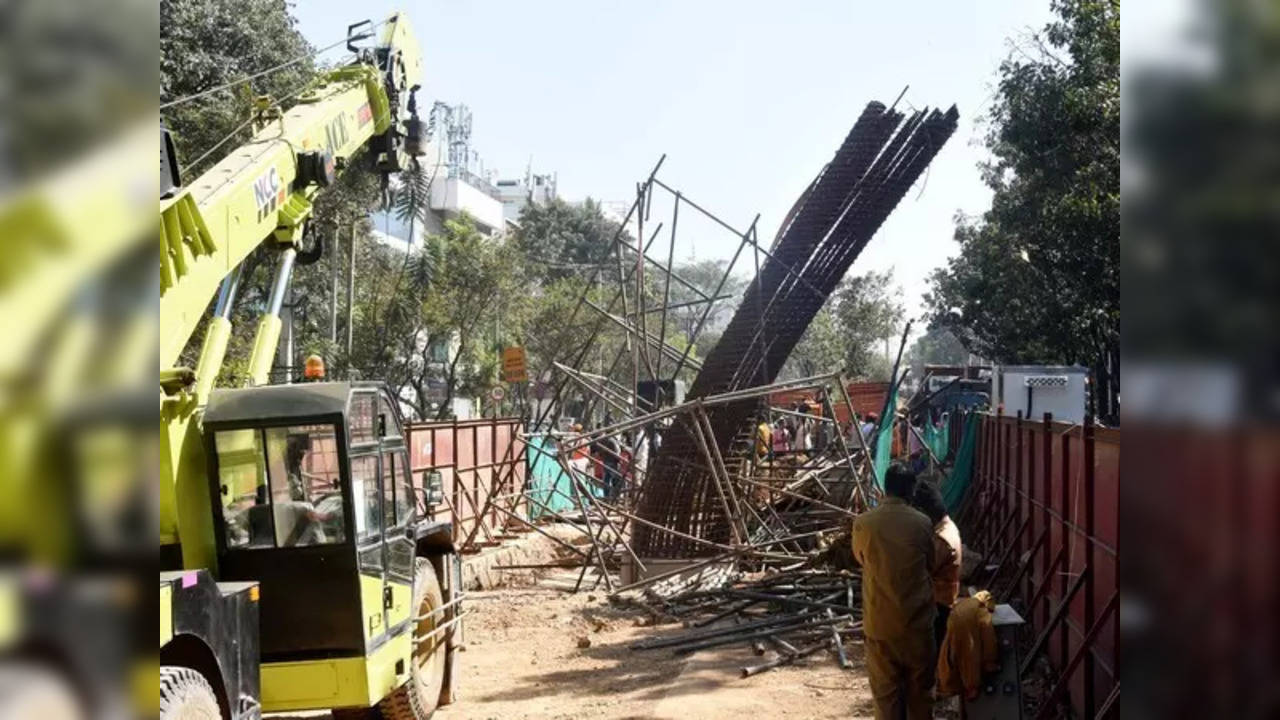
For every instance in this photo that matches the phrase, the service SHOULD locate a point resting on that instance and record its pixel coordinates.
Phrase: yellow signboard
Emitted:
(513, 369)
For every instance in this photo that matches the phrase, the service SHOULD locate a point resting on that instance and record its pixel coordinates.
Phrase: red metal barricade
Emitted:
(482, 466)
(1043, 509)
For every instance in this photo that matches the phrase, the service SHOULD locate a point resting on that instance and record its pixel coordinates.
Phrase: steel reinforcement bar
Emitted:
(882, 156)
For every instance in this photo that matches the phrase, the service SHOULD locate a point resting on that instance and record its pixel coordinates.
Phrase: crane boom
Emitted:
(262, 192)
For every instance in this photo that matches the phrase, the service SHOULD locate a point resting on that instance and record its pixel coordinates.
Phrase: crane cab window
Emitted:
(364, 488)
(363, 418)
(281, 487)
(371, 418)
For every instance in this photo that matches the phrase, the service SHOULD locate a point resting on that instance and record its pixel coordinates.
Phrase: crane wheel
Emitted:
(185, 694)
(419, 696)
(417, 699)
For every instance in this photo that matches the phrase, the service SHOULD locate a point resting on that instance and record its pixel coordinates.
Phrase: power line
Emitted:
(268, 71)
(296, 91)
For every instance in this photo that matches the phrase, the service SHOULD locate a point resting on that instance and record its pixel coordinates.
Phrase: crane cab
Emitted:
(313, 499)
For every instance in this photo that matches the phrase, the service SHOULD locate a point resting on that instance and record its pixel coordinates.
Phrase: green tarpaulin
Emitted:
(550, 489)
(938, 439)
(957, 483)
(883, 446)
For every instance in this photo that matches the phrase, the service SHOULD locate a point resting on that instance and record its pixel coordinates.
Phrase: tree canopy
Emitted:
(935, 347)
(561, 238)
(850, 331)
(1037, 279)
(208, 43)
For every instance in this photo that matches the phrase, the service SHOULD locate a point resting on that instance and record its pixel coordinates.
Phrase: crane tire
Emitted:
(418, 698)
(185, 694)
(35, 690)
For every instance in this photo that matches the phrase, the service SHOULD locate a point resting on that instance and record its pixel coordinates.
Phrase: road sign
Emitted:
(513, 368)
(497, 393)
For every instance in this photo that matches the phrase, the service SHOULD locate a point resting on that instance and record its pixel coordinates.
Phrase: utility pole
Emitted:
(351, 294)
(335, 260)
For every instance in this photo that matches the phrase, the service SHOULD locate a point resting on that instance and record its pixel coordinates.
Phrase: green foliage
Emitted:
(206, 43)
(869, 308)
(704, 275)
(560, 238)
(822, 348)
(476, 293)
(849, 332)
(76, 73)
(1037, 279)
(1200, 243)
(935, 347)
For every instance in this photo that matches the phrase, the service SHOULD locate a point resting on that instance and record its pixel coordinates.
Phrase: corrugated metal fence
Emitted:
(1043, 508)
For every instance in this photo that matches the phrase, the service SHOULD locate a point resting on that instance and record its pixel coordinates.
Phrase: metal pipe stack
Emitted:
(798, 612)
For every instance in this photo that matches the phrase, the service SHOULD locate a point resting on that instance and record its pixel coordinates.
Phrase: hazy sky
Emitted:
(747, 99)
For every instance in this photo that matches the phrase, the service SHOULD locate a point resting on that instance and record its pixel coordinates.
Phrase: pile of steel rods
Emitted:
(800, 593)
(797, 612)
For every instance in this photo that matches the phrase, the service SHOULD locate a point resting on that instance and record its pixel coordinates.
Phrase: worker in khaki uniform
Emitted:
(894, 545)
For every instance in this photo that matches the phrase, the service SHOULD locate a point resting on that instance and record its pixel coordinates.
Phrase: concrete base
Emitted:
(481, 572)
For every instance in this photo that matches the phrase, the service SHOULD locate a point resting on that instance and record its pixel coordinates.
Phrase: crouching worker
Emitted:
(894, 545)
(969, 650)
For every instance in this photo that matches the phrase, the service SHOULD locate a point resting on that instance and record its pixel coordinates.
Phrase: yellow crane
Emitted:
(297, 573)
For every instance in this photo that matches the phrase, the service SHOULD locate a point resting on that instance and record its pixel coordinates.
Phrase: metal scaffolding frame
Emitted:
(697, 494)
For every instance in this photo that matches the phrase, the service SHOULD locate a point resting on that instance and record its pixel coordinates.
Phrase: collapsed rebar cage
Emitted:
(695, 498)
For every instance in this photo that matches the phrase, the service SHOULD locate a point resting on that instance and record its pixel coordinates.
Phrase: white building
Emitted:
(517, 193)
(459, 182)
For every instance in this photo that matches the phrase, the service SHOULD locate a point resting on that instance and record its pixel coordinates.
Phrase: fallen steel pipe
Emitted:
(766, 632)
(749, 670)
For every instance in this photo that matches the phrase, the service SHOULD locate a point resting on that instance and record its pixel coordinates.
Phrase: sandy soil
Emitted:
(523, 660)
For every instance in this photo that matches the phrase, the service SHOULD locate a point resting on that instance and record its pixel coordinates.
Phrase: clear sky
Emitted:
(748, 99)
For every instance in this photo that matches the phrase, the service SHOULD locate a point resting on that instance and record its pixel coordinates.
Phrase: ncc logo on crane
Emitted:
(268, 191)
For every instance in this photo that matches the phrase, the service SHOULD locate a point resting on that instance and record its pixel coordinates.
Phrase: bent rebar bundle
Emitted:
(883, 155)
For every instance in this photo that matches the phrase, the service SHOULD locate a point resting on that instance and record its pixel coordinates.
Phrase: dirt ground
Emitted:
(523, 661)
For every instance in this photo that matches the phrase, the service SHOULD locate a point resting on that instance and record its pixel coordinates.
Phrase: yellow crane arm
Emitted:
(261, 192)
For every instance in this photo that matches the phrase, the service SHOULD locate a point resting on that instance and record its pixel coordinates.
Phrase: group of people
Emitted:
(910, 553)
(804, 430)
(614, 464)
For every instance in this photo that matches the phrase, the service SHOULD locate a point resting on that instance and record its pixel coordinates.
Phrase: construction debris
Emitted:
(716, 531)
(829, 226)
(798, 611)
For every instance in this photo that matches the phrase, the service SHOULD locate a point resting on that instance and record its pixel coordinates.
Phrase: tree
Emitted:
(1037, 279)
(477, 288)
(560, 239)
(1201, 226)
(208, 43)
(848, 333)
(823, 347)
(870, 313)
(935, 347)
(704, 275)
